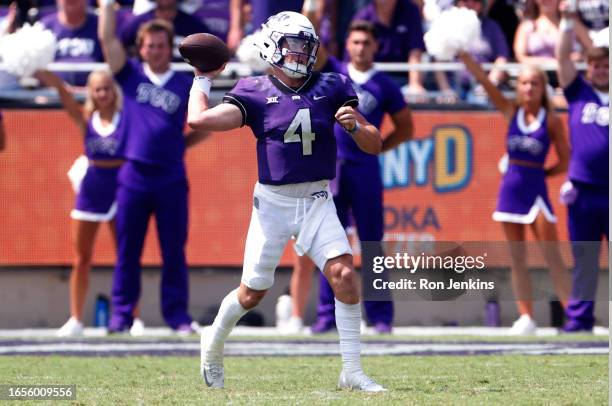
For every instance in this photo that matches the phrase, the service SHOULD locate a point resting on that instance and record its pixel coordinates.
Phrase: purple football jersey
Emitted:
(75, 45)
(377, 95)
(589, 129)
(294, 127)
(157, 113)
(106, 142)
(528, 142)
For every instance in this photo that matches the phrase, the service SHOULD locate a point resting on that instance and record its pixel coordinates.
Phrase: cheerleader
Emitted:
(103, 127)
(523, 196)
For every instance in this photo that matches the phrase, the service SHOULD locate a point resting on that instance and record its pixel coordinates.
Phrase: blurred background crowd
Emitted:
(523, 31)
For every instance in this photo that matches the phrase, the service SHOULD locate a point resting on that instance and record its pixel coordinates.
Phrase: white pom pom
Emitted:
(453, 31)
(77, 172)
(29, 49)
(248, 53)
(601, 38)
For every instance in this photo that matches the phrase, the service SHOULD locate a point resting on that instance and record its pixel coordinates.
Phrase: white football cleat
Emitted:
(212, 372)
(72, 328)
(359, 381)
(213, 375)
(523, 326)
(138, 328)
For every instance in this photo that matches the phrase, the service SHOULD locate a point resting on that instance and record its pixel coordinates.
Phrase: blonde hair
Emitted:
(546, 102)
(90, 105)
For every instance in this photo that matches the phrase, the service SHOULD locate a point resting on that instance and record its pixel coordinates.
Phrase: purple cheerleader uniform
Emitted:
(523, 193)
(96, 199)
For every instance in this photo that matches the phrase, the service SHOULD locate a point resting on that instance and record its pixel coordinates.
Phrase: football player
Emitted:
(358, 185)
(292, 114)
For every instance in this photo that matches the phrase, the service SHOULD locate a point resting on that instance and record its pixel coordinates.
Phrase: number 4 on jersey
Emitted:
(302, 121)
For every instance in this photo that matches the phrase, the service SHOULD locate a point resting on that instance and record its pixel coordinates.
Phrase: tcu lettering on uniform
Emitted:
(157, 97)
(524, 143)
(593, 113)
(75, 47)
(103, 146)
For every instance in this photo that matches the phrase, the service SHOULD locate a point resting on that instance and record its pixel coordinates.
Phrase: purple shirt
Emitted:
(294, 127)
(75, 45)
(528, 142)
(377, 96)
(405, 33)
(156, 126)
(101, 144)
(184, 25)
(215, 15)
(589, 133)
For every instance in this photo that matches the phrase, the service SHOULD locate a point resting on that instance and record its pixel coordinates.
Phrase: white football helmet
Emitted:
(288, 40)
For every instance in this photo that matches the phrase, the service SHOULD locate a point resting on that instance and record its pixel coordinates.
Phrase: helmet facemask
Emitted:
(296, 54)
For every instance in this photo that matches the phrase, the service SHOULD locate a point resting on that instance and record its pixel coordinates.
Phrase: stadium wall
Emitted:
(38, 298)
(442, 186)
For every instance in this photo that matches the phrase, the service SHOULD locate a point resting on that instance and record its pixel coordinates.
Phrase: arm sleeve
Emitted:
(126, 77)
(573, 90)
(239, 96)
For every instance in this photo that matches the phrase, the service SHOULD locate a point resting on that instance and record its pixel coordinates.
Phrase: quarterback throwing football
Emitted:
(292, 114)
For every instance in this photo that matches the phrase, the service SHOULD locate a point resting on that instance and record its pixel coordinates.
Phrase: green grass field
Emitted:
(431, 380)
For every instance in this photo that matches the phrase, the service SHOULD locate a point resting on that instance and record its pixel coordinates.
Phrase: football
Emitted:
(204, 51)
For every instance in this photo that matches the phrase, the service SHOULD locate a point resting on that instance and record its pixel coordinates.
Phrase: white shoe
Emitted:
(359, 381)
(138, 328)
(293, 326)
(196, 326)
(212, 372)
(523, 326)
(213, 375)
(72, 328)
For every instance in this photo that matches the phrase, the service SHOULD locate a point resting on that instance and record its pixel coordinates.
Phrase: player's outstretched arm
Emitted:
(72, 107)
(200, 117)
(556, 133)
(501, 103)
(566, 70)
(114, 53)
(365, 134)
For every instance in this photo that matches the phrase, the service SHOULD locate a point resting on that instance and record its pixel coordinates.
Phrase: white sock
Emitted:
(348, 323)
(229, 313)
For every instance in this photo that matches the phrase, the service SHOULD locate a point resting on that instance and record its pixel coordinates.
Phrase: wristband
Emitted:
(566, 24)
(105, 3)
(354, 129)
(201, 84)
